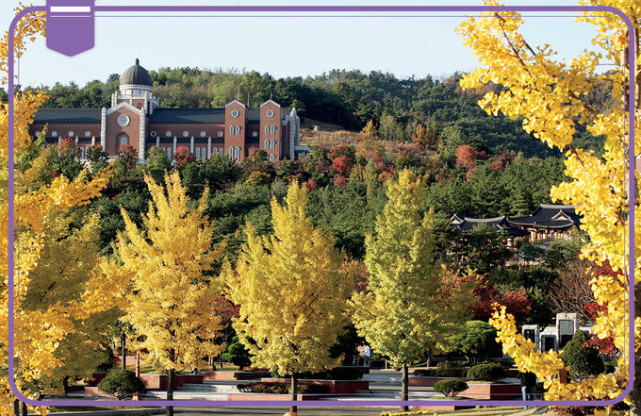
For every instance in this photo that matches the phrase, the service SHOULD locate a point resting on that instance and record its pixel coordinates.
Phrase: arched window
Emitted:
(272, 144)
(237, 130)
(231, 130)
(215, 151)
(169, 153)
(266, 129)
(266, 144)
(237, 153)
(231, 153)
(221, 150)
(272, 158)
(198, 153)
(273, 129)
(82, 153)
(124, 140)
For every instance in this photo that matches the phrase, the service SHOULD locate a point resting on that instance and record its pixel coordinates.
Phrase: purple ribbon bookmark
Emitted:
(70, 26)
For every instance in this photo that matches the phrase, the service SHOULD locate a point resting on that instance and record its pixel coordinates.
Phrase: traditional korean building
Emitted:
(135, 118)
(546, 223)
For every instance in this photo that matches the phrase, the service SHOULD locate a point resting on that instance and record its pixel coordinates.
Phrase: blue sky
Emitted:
(282, 46)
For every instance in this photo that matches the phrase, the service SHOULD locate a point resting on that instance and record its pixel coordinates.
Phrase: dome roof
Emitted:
(136, 75)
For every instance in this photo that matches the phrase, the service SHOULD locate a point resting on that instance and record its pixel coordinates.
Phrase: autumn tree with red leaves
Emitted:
(183, 157)
(466, 156)
(516, 301)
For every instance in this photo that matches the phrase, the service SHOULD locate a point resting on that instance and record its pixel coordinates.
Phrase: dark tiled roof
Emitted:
(253, 114)
(160, 116)
(467, 224)
(188, 116)
(549, 216)
(68, 115)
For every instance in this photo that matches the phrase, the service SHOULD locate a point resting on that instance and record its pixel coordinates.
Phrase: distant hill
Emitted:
(340, 100)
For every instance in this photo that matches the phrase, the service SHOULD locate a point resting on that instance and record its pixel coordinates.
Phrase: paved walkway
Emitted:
(279, 411)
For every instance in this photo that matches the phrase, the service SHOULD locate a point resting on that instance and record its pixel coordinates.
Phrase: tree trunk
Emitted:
(65, 385)
(137, 364)
(405, 388)
(23, 409)
(294, 391)
(16, 407)
(635, 394)
(123, 340)
(170, 390)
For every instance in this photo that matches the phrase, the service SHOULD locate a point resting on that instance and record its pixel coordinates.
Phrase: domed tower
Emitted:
(135, 88)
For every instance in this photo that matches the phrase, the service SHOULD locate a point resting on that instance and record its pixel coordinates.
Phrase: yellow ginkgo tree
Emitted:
(173, 290)
(291, 292)
(551, 96)
(49, 326)
(412, 303)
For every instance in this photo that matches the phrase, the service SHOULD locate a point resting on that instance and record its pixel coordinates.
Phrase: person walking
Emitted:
(367, 356)
(528, 382)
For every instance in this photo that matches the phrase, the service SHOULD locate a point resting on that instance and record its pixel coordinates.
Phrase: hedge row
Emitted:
(441, 372)
(486, 372)
(281, 388)
(338, 373)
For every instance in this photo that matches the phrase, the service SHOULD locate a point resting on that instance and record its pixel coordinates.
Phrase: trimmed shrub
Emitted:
(281, 388)
(453, 364)
(486, 372)
(583, 361)
(121, 383)
(450, 388)
(237, 354)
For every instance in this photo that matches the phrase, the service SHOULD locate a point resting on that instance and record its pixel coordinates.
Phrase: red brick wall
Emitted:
(274, 121)
(63, 130)
(236, 140)
(115, 131)
(138, 103)
(178, 129)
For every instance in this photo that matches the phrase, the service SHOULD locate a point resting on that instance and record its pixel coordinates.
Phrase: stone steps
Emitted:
(208, 387)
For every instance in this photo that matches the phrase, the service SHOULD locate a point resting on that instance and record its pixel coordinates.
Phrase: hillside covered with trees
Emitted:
(394, 107)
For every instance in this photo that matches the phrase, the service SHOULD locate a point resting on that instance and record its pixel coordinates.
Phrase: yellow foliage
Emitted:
(549, 94)
(412, 302)
(47, 333)
(291, 292)
(172, 297)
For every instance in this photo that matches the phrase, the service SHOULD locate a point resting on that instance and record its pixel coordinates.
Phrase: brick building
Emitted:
(135, 118)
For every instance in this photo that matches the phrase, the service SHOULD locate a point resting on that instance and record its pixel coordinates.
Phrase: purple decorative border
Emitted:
(320, 9)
